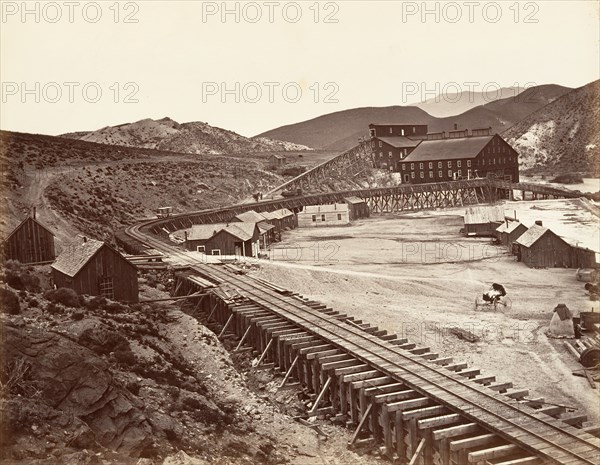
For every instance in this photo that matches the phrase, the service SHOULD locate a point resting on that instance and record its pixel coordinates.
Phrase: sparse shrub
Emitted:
(33, 303)
(125, 356)
(77, 315)
(103, 342)
(172, 435)
(63, 295)
(17, 277)
(9, 302)
(133, 387)
(15, 378)
(209, 416)
(173, 391)
(53, 308)
(191, 403)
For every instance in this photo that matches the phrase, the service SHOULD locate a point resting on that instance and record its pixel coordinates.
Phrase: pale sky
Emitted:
(284, 62)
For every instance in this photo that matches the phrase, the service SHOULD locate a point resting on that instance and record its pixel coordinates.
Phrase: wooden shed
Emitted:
(241, 239)
(250, 216)
(283, 219)
(483, 221)
(508, 232)
(313, 216)
(583, 257)
(238, 238)
(30, 242)
(539, 247)
(357, 208)
(95, 268)
(276, 161)
(267, 234)
(197, 237)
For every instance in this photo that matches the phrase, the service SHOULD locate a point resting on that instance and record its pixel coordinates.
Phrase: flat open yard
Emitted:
(415, 275)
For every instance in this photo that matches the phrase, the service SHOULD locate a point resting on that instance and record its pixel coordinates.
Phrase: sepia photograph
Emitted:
(312, 232)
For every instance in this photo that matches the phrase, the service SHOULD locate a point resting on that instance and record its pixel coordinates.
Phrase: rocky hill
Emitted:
(563, 135)
(194, 137)
(341, 130)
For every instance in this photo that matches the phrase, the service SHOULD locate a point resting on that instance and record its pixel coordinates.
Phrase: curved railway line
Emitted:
(421, 406)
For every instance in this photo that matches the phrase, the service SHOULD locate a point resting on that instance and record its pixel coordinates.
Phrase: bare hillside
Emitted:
(194, 137)
(563, 135)
(341, 130)
(88, 188)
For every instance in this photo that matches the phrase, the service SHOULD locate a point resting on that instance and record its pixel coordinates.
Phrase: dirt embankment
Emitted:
(90, 381)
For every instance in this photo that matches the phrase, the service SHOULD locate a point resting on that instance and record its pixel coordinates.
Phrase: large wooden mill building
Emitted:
(423, 157)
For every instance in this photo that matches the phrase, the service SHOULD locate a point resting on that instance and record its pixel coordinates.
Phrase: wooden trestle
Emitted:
(408, 424)
(406, 197)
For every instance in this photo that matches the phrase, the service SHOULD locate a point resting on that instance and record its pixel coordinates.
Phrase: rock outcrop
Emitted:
(74, 381)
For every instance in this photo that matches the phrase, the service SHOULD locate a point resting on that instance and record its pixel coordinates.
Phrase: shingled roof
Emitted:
(278, 214)
(74, 258)
(251, 216)
(264, 227)
(202, 232)
(483, 215)
(508, 227)
(532, 235)
(243, 231)
(448, 149)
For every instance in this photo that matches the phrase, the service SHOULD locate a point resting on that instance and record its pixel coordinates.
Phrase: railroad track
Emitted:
(442, 411)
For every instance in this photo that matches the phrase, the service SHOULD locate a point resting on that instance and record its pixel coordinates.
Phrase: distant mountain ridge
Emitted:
(341, 130)
(193, 137)
(450, 104)
(563, 135)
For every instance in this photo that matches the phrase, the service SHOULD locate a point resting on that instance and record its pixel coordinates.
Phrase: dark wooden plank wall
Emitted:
(105, 263)
(30, 243)
(548, 252)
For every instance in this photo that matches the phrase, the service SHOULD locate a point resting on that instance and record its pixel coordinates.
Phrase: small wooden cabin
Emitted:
(539, 247)
(283, 219)
(357, 208)
(483, 221)
(314, 216)
(276, 161)
(199, 235)
(95, 268)
(30, 242)
(508, 232)
(238, 238)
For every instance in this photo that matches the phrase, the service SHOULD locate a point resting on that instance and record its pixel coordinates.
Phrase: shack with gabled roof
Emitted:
(95, 268)
(509, 231)
(357, 208)
(29, 242)
(539, 247)
(483, 221)
(237, 238)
